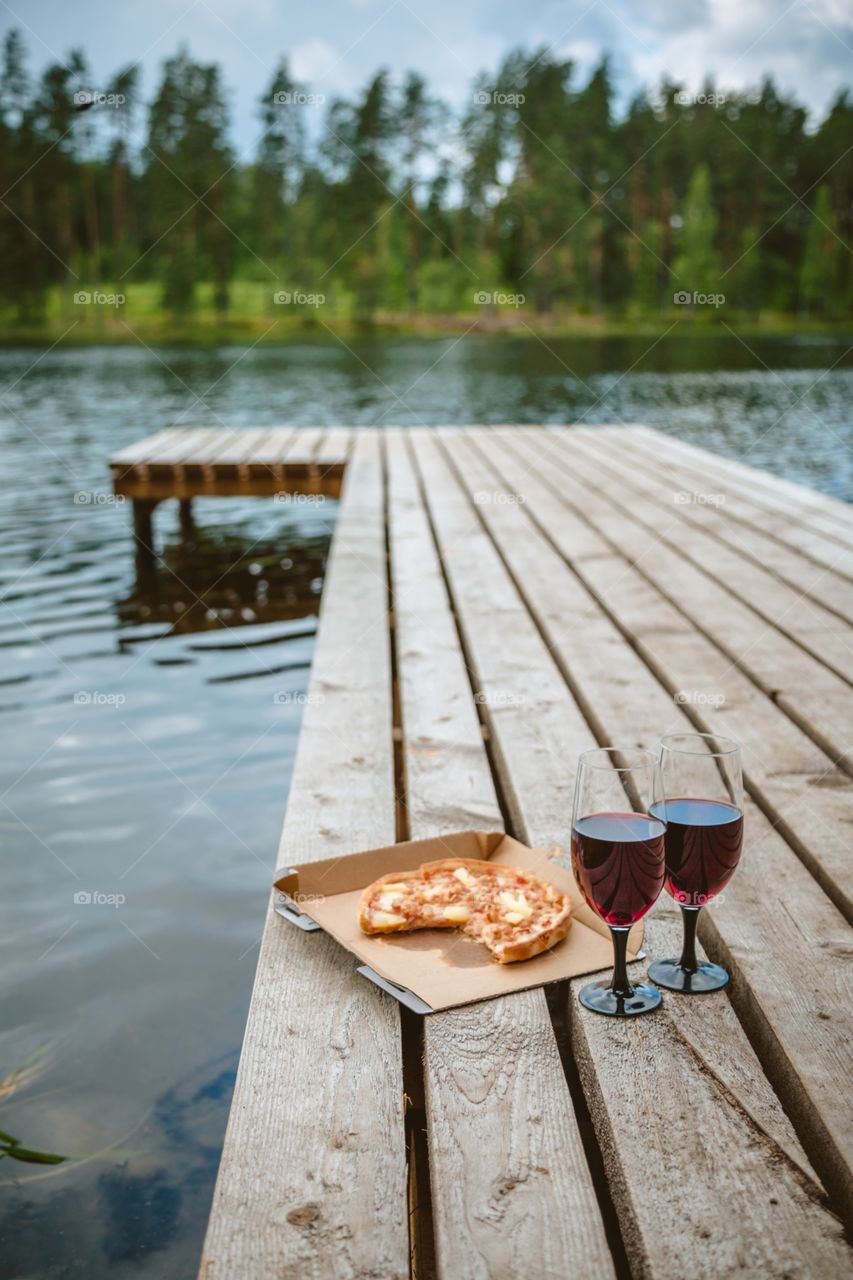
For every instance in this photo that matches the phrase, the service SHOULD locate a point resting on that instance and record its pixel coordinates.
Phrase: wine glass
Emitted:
(703, 811)
(618, 861)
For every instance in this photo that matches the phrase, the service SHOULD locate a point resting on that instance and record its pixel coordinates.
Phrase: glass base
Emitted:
(670, 974)
(600, 997)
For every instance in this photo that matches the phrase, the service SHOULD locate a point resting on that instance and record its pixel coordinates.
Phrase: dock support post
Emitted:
(186, 519)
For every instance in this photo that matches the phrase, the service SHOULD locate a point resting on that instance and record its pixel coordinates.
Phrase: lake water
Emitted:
(149, 730)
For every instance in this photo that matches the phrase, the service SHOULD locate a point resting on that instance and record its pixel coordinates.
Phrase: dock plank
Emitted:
(821, 532)
(313, 1179)
(757, 484)
(140, 450)
(815, 628)
(242, 444)
(826, 586)
(819, 701)
(183, 442)
(511, 1189)
(334, 447)
(304, 445)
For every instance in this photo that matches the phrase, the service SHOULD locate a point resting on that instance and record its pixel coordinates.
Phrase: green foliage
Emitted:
(188, 182)
(822, 271)
(11, 1147)
(391, 205)
(697, 265)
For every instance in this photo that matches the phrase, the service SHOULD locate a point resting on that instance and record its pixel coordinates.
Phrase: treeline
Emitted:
(393, 203)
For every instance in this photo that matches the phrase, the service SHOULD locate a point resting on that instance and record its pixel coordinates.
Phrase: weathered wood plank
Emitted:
(236, 446)
(826, 586)
(652, 503)
(814, 697)
(334, 447)
(654, 1150)
(512, 1192)
(140, 450)
(787, 981)
(312, 1182)
(752, 481)
(304, 444)
(770, 502)
(183, 443)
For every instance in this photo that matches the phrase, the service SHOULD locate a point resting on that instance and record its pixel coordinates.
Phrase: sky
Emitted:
(336, 45)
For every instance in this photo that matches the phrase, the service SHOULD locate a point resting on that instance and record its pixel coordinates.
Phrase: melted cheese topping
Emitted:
(503, 908)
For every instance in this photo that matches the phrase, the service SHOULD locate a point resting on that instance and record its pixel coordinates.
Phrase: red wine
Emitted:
(703, 844)
(618, 861)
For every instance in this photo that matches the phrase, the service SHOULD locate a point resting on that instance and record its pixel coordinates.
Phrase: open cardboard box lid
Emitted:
(434, 969)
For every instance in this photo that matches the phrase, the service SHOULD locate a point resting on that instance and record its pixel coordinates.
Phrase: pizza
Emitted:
(515, 913)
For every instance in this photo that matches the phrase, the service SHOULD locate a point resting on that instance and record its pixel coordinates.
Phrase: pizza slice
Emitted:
(515, 913)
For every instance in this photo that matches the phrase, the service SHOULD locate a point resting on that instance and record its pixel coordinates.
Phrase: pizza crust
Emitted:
(515, 913)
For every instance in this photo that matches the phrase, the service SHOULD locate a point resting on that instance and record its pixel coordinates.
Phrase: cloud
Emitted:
(742, 40)
(313, 60)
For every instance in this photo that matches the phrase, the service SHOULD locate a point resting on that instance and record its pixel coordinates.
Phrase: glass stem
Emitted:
(690, 916)
(620, 985)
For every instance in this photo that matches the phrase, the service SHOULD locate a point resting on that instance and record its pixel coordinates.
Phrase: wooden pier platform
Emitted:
(498, 600)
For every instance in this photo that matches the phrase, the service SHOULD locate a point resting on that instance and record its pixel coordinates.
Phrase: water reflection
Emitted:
(214, 580)
(138, 1206)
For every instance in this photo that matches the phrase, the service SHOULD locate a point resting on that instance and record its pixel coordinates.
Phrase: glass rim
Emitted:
(585, 759)
(708, 738)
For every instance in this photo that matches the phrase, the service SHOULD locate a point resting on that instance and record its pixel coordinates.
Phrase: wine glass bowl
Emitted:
(618, 861)
(703, 811)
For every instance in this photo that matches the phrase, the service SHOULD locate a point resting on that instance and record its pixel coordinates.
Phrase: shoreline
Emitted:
(203, 333)
(206, 330)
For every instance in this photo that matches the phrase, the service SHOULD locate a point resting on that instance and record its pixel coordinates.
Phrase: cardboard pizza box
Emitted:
(434, 969)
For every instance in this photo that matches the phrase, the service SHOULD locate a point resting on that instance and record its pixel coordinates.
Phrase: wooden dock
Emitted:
(498, 600)
(256, 462)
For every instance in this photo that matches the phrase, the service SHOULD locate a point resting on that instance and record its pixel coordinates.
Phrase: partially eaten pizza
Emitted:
(515, 913)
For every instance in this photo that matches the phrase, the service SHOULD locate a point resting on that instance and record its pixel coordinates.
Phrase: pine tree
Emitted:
(188, 182)
(819, 271)
(368, 194)
(697, 265)
(418, 119)
(278, 171)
